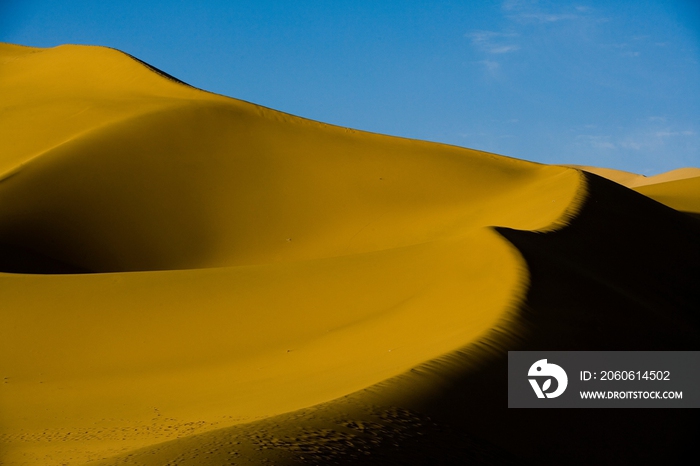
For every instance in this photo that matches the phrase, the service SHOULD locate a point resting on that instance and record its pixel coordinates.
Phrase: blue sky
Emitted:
(613, 84)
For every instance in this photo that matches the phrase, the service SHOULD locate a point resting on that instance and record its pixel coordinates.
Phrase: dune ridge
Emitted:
(679, 189)
(633, 180)
(181, 271)
(452, 408)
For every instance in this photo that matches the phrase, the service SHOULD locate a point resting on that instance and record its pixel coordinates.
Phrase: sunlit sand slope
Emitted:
(682, 194)
(282, 262)
(621, 276)
(269, 288)
(632, 180)
(679, 189)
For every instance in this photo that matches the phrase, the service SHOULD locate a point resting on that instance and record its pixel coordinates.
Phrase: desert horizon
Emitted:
(188, 278)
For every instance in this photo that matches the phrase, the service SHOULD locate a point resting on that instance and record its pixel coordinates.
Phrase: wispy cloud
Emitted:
(491, 67)
(636, 143)
(520, 12)
(490, 64)
(531, 12)
(543, 17)
(479, 37)
(509, 5)
(504, 48)
(643, 140)
(596, 141)
(624, 49)
(667, 134)
(493, 42)
(651, 140)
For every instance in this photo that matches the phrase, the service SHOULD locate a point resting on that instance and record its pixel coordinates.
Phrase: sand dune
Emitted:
(679, 189)
(188, 278)
(632, 180)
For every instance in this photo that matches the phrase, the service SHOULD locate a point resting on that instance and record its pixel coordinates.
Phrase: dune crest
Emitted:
(678, 189)
(179, 268)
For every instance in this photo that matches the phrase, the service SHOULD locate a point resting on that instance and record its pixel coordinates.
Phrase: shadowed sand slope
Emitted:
(620, 276)
(187, 278)
(632, 180)
(679, 189)
(682, 194)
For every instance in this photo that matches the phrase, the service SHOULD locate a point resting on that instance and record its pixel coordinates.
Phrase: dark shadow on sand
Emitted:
(15, 259)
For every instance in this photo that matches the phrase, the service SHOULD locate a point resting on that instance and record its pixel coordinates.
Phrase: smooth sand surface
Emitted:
(187, 278)
(632, 180)
(679, 189)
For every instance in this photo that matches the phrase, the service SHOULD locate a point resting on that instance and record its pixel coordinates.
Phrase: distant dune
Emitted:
(190, 279)
(679, 189)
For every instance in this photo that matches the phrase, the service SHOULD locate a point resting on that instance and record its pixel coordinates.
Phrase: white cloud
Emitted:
(635, 143)
(639, 140)
(493, 42)
(597, 142)
(623, 48)
(603, 145)
(503, 48)
(512, 4)
(491, 66)
(666, 134)
(531, 12)
(543, 17)
(648, 140)
(479, 37)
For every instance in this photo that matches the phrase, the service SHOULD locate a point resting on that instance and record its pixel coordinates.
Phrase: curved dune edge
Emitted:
(453, 410)
(258, 263)
(682, 194)
(678, 189)
(372, 292)
(633, 180)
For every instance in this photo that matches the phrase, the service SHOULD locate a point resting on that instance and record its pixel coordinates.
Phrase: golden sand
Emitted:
(255, 274)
